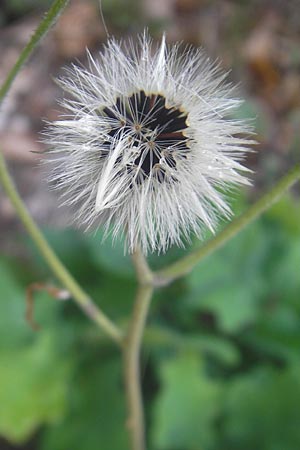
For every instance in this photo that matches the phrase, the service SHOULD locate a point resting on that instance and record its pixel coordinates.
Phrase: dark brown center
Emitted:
(155, 129)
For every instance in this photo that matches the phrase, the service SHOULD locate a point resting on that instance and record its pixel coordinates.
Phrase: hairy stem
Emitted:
(59, 270)
(187, 263)
(131, 353)
(44, 26)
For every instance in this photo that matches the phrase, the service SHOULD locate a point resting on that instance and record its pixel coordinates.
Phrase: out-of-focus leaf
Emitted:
(13, 328)
(276, 334)
(234, 306)
(286, 213)
(104, 272)
(219, 348)
(114, 294)
(71, 248)
(33, 388)
(109, 255)
(285, 273)
(97, 415)
(15, 331)
(33, 372)
(230, 282)
(186, 407)
(262, 410)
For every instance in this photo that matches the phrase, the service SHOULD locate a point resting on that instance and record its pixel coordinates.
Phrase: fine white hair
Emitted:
(147, 149)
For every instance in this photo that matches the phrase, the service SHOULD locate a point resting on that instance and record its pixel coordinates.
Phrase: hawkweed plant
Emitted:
(147, 151)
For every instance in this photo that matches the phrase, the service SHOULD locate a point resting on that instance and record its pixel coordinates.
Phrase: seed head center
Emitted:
(153, 128)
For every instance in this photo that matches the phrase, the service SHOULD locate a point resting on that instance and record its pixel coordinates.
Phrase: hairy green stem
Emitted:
(80, 297)
(132, 349)
(48, 20)
(187, 263)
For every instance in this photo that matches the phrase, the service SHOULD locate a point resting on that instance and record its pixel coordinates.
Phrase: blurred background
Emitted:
(221, 362)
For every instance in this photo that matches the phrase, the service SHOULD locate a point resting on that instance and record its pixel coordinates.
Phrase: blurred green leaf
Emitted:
(104, 272)
(234, 306)
(262, 410)
(284, 275)
(187, 405)
(230, 282)
(286, 213)
(219, 348)
(13, 328)
(97, 414)
(109, 254)
(277, 334)
(114, 294)
(33, 388)
(70, 246)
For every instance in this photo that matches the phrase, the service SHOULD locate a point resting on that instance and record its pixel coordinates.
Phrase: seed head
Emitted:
(146, 149)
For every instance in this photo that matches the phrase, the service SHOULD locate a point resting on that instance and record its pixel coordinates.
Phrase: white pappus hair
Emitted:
(146, 149)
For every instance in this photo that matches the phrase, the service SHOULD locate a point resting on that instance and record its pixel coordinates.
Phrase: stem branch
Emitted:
(187, 263)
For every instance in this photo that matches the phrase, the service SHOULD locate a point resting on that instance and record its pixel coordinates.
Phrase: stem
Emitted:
(46, 23)
(80, 297)
(142, 269)
(187, 263)
(131, 351)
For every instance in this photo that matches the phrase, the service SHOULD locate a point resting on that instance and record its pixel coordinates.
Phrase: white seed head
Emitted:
(146, 149)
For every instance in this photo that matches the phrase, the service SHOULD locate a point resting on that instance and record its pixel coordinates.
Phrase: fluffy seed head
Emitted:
(146, 149)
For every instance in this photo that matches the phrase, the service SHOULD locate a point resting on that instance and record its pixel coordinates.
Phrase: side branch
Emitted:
(186, 264)
(59, 270)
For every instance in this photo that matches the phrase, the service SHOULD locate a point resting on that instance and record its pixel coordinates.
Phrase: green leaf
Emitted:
(97, 415)
(33, 388)
(262, 410)
(230, 283)
(276, 334)
(34, 373)
(13, 328)
(71, 248)
(220, 348)
(286, 212)
(187, 406)
(234, 306)
(284, 274)
(109, 254)
(114, 294)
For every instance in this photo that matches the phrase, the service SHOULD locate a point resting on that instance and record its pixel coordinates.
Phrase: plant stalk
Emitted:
(132, 350)
(187, 263)
(59, 270)
(43, 27)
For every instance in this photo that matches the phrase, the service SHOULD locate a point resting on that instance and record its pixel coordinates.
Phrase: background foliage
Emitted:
(221, 360)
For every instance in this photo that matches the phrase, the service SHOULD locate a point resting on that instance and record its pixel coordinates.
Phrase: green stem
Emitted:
(135, 422)
(143, 272)
(186, 264)
(80, 297)
(132, 349)
(48, 20)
